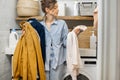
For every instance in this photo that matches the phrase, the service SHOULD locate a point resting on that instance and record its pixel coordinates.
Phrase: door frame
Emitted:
(108, 40)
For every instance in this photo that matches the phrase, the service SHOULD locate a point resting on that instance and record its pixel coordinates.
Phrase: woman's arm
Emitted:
(64, 34)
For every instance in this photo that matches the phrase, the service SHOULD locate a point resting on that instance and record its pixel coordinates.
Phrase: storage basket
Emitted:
(28, 8)
(87, 8)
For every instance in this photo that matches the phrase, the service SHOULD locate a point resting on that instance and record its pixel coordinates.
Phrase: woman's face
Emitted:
(53, 11)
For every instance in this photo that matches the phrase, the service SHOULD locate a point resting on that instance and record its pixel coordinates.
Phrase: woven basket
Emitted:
(28, 8)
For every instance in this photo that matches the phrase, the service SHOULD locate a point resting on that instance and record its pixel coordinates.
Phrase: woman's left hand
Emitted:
(77, 31)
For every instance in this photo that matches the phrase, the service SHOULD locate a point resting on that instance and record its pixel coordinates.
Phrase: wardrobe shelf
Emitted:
(59, 17)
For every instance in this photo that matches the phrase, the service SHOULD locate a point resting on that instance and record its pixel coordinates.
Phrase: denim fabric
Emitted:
(56, 74)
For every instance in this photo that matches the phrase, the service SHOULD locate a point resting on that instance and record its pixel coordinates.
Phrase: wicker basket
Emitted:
(28, 8)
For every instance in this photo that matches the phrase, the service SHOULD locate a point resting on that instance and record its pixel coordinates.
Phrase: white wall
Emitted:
(7, 21)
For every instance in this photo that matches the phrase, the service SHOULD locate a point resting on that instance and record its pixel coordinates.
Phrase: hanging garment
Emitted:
(56, 74)
(27, 58)
(73, 55)
(41, 32)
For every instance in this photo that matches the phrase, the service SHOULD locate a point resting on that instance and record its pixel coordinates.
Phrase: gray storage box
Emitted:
(86, 8)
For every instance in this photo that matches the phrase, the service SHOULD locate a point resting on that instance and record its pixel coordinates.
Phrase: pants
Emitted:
(56, 74)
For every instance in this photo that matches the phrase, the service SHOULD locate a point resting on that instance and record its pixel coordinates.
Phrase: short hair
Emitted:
(47, 4)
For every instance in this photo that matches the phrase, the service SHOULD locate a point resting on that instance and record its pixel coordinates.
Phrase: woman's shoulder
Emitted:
(41, 22)
(61, 21)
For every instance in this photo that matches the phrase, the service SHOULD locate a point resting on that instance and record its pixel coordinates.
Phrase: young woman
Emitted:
(56, 34)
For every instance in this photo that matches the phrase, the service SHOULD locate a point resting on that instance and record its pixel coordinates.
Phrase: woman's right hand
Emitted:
(23, 32)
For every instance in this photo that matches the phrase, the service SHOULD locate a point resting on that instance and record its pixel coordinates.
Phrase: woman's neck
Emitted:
(49, 19)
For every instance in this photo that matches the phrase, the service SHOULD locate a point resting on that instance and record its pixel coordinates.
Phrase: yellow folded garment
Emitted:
(27, 59)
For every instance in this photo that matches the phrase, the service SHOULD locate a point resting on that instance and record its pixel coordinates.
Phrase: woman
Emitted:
(55, 33)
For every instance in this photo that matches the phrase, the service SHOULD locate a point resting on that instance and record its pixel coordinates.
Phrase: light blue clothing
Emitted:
(56, 74)
(55, 43)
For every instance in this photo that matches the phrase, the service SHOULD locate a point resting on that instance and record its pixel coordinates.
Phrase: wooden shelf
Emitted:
(59, 17)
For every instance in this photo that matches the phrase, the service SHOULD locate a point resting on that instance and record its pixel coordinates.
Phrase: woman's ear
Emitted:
(46, 10)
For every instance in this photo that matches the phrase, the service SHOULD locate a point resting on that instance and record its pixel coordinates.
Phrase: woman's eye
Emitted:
(55, 7)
